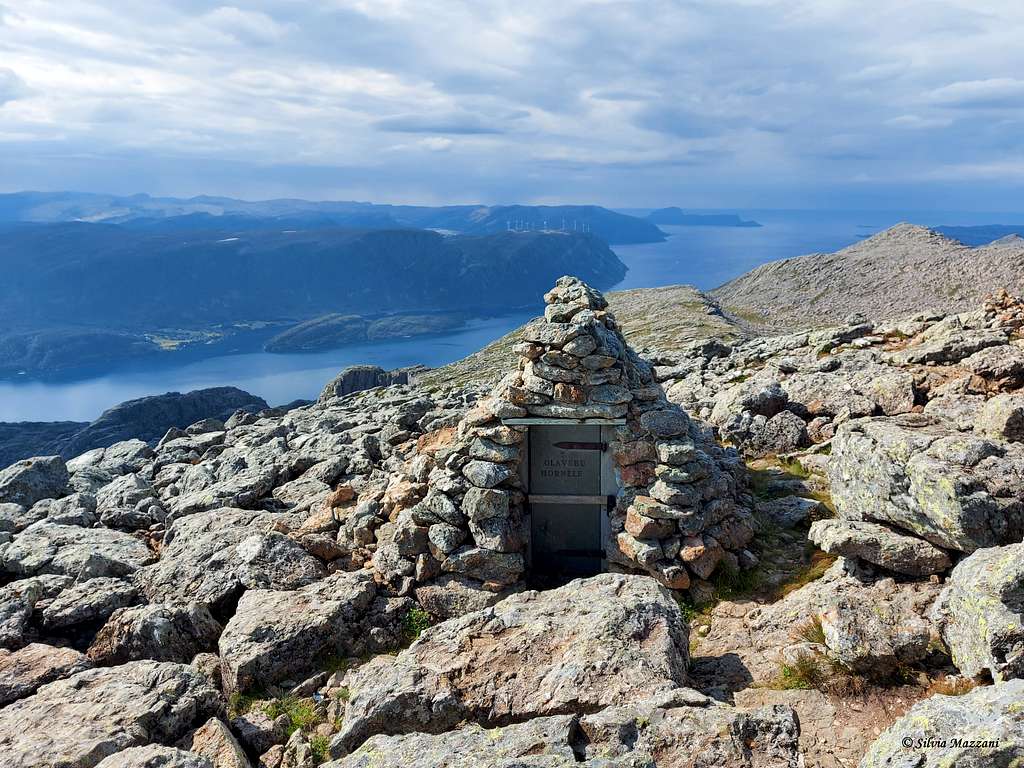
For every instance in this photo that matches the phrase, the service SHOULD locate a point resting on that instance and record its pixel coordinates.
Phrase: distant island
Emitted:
(335, 330)
(677, 217)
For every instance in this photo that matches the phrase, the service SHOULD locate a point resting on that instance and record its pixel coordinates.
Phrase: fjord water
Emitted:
(702, 256)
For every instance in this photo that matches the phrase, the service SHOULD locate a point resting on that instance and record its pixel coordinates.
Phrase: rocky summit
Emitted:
(808, 553)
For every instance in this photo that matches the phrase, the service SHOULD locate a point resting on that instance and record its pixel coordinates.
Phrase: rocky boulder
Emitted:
(981, 729)
(880, 545)
(211, 557)
(681, 727)
(88, 602)
(156, 756)
(874, 623)
(99, 712)
(922, 476)
(595, 642)
(17, 604)
(277, 635)
(23, 671)
(216, 743)
(162, 632)
(27, 481)
(46, 547)
(980, 613)
(874, 638)
(1002, 418)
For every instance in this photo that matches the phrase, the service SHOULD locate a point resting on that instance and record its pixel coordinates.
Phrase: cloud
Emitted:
(764, 102)
(918, 122)
(11, 86)
(245, 26)
(436, 143)
(997, 92)
(453, 123)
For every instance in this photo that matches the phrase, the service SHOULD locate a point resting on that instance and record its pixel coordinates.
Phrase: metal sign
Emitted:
(566, 506)
(565, 460)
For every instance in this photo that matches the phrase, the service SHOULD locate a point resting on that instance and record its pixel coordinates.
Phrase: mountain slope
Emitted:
(898, 272)
(651, 319)
(105, 275)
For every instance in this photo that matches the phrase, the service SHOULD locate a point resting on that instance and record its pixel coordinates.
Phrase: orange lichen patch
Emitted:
(432, 442)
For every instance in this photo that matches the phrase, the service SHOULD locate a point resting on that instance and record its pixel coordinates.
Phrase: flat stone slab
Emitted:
(592, 643)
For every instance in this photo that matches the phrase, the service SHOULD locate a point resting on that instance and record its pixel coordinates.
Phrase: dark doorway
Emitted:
(566, 505)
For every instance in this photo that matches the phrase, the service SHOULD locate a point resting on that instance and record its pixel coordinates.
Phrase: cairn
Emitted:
(677, 515)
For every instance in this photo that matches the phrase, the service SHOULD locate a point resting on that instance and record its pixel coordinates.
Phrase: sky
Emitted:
(877, 104)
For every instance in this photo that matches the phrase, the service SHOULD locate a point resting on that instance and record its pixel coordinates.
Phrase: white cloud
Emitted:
(918, 122)
(436, 143)
(994, 92)
(616, 102)
(11, 86)
(245, 26)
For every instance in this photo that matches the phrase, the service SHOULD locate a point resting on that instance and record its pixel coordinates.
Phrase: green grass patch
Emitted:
(810, 672)
(691, 611)
(810, 631)
(805, 673)
(320, 746)
(414, 623)
(302, 713)
(240, 703)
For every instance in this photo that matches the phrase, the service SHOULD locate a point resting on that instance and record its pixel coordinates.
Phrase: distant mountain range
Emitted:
(677, 217)
(76, 293)
(198, 213)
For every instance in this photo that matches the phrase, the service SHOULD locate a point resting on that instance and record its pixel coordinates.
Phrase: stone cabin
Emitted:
(575, 464)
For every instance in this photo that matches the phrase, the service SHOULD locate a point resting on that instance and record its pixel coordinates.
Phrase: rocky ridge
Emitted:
(878, 278)
(259, 573)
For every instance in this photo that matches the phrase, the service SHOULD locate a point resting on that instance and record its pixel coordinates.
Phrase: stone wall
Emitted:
(677, 516)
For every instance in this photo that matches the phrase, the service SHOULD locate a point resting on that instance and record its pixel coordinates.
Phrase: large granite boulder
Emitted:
(875, 638)
(680, 728)
(277, 634)
(356, 378)
(99, 712)
(872, 623)
(156, 756)
(46, 547)
(15, 517)
(980, 613)
(24, 670)
(162, 632)
(592, 643)
(211, 557)
(880, 545)
(117, 459)
(981, 729)
(216, 743)
(17, 604)
(922, 476)
(27, 481)
(88, 602)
